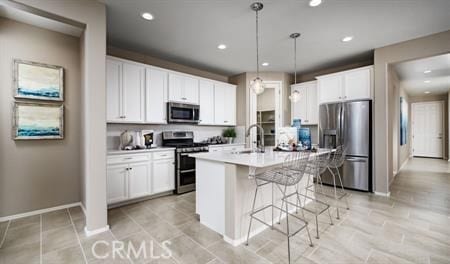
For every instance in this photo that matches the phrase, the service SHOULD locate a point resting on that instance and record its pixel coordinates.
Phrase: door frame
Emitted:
(443, 125)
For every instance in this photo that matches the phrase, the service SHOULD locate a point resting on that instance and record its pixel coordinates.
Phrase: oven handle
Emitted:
(186, 171)
(184, 154)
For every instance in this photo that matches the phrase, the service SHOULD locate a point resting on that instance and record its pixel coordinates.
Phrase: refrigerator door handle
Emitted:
(342, 124)
(355, 160)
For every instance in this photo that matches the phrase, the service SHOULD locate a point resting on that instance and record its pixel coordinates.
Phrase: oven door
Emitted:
(182, 113)
(185, 173)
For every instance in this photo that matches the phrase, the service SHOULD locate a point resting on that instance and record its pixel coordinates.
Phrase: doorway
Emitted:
(428, 129)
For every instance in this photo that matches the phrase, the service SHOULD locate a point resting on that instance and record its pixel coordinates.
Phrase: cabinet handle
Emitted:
(127, 158)
(226, 121)
(183, 98)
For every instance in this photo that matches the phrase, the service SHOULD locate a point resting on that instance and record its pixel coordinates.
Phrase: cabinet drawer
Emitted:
(163, 155)
(117, 159)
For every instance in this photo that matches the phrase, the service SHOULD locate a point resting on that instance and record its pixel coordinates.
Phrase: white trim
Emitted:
(383, 194)
(89, 233)
(40, 211)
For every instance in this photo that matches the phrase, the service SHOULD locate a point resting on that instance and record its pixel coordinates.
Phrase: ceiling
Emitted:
(189, 31)
(413, 78)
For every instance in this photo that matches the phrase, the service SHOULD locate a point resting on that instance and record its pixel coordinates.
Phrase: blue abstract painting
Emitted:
(38, 81)
(403, 121)
(38, 121)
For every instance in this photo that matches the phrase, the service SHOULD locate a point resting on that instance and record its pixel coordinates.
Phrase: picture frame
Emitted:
(38, 81)
(34, 121)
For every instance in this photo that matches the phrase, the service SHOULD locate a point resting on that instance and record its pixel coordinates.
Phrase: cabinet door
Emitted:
(156, 95)
(299, 109)
(190, 90)
(138, 180)
(206, 100)
(357, 84)
(113, 90)
(176, 87)
(230, 105)
(163, 176)
(133, 92)
(219, 104)
(312, 104)
(116, 182)
(330, 89)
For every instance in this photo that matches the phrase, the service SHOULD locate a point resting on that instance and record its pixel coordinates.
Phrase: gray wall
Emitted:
(42, 173)
(384, 103)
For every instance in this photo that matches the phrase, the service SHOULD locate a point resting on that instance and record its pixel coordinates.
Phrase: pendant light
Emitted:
(257, 84)
(295, 95)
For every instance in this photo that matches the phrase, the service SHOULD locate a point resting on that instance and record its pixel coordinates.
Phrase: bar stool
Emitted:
(336, 161)
(290, 174)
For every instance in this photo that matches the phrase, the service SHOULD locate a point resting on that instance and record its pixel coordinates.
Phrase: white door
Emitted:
(113, 90)
(133, 92)
(176, 83)
(219, 104)
(206, 101)
(156, 94)
(427, 126)
(313, 105)
(163, 176)
(330, 89)
(138, 180)
(230, 105)
(116, 182)
(299, 109)
(190, 90)
(357, 84)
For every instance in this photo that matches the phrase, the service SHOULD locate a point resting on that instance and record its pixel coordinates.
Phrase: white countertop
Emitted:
(225, 145)
(135, 151)
(257, 160)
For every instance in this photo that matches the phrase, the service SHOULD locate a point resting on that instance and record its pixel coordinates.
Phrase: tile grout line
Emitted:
(132, 219)
(4, 236)
(76, 234)
(40, 234)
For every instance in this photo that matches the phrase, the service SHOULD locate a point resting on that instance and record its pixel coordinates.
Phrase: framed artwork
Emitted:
(38, 121)
(403, 121)
(38, 81)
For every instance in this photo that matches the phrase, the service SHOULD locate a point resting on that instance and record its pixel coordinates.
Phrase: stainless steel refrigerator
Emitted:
(349, 124)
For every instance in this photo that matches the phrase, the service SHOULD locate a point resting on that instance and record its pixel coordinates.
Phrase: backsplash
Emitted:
(200, 132)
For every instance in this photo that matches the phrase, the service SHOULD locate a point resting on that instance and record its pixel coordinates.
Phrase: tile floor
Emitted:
(411, 226)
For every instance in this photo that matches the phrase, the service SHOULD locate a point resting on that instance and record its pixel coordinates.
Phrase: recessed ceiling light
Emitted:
(222, 46)
(427, 92)
(427, 71)
(147, 16)
(314, 3)
(265, 64)
(427, 81)
(347, 39)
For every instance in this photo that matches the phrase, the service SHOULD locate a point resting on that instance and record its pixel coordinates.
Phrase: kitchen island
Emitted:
(224, 191)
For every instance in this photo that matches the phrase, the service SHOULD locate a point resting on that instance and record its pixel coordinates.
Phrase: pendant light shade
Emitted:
(257, 84)
(295, 95)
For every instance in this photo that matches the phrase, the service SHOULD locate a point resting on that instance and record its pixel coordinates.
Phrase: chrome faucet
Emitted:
(259, 149)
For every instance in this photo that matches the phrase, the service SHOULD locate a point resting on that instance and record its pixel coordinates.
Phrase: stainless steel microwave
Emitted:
(182, 113)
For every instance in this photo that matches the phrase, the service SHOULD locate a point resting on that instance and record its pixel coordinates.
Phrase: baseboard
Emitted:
(383, 194)
(40, 211)
(89, 233)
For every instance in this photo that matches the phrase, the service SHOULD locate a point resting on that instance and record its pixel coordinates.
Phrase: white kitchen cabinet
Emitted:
(124, 91)
(156, 96)
(183, 88)
(163, 178)
(225, 104)
(307, 107)
(117, 189)
(139, 175)
(113, 90)
(356, 84)
(206, 94)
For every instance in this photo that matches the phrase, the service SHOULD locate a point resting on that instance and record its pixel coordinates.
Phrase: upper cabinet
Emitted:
(125, 91)
(349, 85)
(183, 88)
(138, 93)
(225, 104)
(307, 109)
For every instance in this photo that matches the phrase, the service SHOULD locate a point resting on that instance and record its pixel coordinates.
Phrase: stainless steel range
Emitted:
(184, 143)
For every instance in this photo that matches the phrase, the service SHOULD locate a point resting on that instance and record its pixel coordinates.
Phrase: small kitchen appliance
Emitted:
(147, 138)
(184, 143)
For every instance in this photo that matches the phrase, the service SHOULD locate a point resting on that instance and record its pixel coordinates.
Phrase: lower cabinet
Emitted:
(132, 176)
(225, 147)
